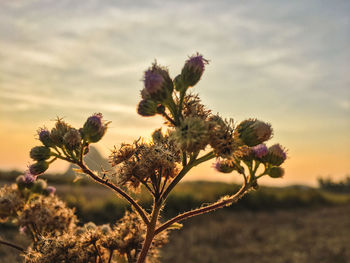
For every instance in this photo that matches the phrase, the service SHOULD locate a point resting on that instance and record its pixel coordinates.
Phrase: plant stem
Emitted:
(121, 192)
(150, 233)
(110, 256)
(184, 171)
(205, 209)
(12, 245)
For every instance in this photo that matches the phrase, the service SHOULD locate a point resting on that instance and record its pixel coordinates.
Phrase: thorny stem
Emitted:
(12, 245)
(150, 233)
(221, 203)
(121, 192)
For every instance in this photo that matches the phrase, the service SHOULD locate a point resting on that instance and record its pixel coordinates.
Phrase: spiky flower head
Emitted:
(29, 178)
(57, 133)
(40, 153)
(228, 166)
(193, 70)
(157, 136)
(147, 107)
(158, 84)
(38, 167)
(276, 172)
(72, 139)
(276, 155)
(94, 128)
(192, 135)
(253, 132)
(259, 150)
(44, 137)
(221, 136)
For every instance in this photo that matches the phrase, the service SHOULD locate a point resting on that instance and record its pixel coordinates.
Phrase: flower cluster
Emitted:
(66, 142)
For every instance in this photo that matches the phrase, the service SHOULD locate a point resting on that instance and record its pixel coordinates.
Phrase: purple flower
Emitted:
(197, 63)
(51, 189)
(29, 178)
(22, 229)
(153, 81)
(260, 150)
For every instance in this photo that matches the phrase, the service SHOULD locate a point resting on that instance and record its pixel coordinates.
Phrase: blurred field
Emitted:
(290, 224)
(318, 235)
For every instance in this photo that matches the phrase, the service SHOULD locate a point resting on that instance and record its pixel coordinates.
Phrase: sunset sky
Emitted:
(284, 62)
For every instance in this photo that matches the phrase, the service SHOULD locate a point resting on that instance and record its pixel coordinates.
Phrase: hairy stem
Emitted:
(12, 245)
(205, 209)
(150, 233)
(121, 192)
(184, 171)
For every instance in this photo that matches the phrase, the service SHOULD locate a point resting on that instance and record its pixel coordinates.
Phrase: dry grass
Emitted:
(294, 236)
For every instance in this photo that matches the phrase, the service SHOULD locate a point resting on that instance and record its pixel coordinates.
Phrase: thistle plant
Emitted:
(191, 135)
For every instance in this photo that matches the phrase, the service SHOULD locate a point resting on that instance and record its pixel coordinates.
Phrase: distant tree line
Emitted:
(342, 186)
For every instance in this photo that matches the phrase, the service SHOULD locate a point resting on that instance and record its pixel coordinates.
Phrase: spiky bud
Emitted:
(39, 186)
(228, 166)
(259, 151)
(72, 139)
(157, 136)
(192, 135)
(58, 132)
(94, 128)
(40, 153)
(44, 137)
(276, 172)
(276, 155)
(38, 167)
(193, 70)
(147, 108)
(252, 132)
(158, 84)
(29, 178)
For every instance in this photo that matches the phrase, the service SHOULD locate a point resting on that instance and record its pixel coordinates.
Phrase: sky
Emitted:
(284, 62)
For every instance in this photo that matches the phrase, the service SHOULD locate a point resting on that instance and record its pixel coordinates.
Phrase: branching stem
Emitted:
(12, 245)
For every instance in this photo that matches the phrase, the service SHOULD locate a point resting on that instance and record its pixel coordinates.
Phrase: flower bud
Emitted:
(276, 155)
(193, 70)
(105, 229)
(179, 85)
(224, 166)
(38, 167)
(40, 153)
(147, 108)
(253, 132)
(58, 132)
(44, 137)
(39, 186)
(259, 151)
(94, 128)
(20, 181)
(158, 84)
(29, 178)
(72, 139)
(157, 136)
(276, 172)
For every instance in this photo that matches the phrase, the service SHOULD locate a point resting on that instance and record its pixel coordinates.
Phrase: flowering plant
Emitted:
(193, 136)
